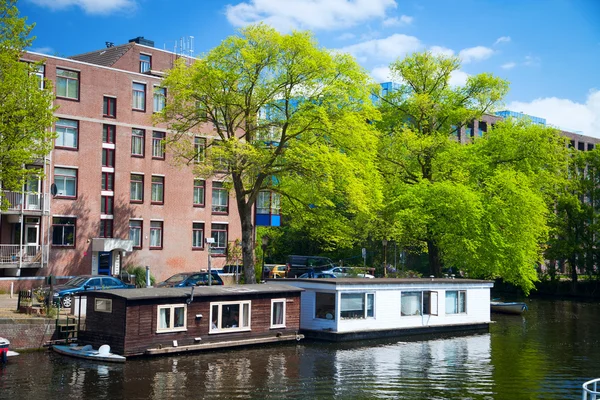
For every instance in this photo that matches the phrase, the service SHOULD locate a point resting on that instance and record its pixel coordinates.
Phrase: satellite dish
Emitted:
(53, 189)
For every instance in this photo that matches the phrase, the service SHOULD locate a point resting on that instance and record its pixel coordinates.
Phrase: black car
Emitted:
(185, 279)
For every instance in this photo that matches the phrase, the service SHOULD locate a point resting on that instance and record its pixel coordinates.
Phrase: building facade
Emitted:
(111, 195)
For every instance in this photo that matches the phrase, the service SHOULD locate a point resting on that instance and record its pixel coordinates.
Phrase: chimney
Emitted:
(142, 41)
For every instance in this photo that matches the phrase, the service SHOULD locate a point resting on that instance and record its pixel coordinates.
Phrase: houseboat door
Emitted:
(104, 262)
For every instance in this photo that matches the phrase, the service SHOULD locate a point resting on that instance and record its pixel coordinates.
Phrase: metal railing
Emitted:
(14, 253)
(24, 201)
(590, 390)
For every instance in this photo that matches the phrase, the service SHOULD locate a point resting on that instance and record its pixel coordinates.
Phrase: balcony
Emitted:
(28, 256)
(18, 201)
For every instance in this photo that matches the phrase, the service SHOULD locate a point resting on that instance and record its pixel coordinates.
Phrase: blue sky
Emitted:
(548, 49)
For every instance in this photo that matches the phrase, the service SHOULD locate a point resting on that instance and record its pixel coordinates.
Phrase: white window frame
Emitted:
(159, 98)
(107, 305)
(65, 129)
(273, 302)
(69, 80)
(220, 305)
(62, 177)
(138, 137)
(171, 307)
(365, 305)
(457, 305)
(197, 235)
(138, 96)
(137, 231)
(158, 145)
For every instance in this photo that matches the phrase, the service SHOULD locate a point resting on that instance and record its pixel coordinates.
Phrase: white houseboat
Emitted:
(358, 308)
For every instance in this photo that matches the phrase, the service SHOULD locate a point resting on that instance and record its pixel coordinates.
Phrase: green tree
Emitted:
(289, 117)
(26, 112)
(480, 206)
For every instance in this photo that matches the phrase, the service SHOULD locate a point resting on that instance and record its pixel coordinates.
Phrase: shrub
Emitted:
(140, 276)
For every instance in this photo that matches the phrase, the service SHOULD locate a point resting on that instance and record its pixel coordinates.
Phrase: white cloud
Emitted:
(508, 65)
(441, 51)
(382, 74)
(403, 20)
(502, 39)
(565, 113)
(89, 6)
(346, 36)
(43, 50)
(387, 49)
(458, 78)
(532, 61)
(477, 53)
(307, 14)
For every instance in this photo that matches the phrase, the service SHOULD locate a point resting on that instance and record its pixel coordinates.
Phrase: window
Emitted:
(160, 97)
(139, 96)
(325, 305)
(67, 132)
(63, 231)
(106, 228)
(229, 316)
(40, 73)
(158, 187)
(145, 63)
(137, 188)
(103, 305)
(67, 84)
(199, 149)
(199, 185)
(135, 233)
(109, 108)
(172, 318)
(65, 180)
(197, 235)
(278, 313)
(108, 181)
(137, 142)
(219, 233)
(456, 302)
(158, 145)
(419, 303)
(106, 206)
(268, 202)
(156, 234)
(357, 305)
(220, 198)
(108, 133)
(108, 158)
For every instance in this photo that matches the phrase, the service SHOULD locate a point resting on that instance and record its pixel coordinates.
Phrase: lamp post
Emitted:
(209, 242)
(384, 242)
(265, 242)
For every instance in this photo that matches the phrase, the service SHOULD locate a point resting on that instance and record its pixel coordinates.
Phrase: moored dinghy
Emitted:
(517, 308)
(87, 352)
(4, 351)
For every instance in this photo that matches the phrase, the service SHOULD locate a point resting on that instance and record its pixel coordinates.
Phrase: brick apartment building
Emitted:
(111, 196)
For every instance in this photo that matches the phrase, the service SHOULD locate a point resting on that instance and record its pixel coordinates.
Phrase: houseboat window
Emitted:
(103, 305)
(230, 316)
(325, 305)
(357, 305)
(410, 303)
(430, 303)
(278, 313)
(456, 301)
(172, 318)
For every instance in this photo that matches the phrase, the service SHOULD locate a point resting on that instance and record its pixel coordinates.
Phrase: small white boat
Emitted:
(87, 352)
(4, 351)
(517, 308)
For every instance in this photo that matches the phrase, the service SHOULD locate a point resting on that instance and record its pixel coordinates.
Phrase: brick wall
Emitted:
(27, 333)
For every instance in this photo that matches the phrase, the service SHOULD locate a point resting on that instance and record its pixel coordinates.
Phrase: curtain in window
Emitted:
(410, 303)
(370, 305)
(451, 302)
(165, 318)
(179, 317)
(352, 305)
(278, 313)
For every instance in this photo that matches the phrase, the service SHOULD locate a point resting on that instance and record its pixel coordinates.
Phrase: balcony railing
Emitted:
(15, 254)
(25, 201)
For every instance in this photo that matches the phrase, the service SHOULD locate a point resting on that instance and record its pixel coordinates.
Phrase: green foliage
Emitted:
(27, 111)
(140, 276)
(481, 207)
(290, 117)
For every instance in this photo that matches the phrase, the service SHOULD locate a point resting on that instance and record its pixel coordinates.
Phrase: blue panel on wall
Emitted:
(275, 220)
(263, 220)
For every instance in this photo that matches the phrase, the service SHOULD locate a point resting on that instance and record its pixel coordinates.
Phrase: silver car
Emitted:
(347, 272)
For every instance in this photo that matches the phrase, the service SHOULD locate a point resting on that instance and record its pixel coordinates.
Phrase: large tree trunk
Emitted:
(245, 212)
(435, 264)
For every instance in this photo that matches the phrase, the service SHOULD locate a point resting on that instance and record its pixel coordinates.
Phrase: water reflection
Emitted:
(545, 354)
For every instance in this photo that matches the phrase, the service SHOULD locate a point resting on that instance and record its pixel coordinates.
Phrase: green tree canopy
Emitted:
(288, 116)
(26, 112)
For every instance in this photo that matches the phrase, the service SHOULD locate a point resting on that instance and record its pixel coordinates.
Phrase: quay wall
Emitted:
(28, 333)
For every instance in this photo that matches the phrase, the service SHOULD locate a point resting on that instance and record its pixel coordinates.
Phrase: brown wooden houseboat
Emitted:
(172, 320)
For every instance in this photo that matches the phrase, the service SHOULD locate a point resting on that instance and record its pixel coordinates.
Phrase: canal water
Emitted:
(545, 354)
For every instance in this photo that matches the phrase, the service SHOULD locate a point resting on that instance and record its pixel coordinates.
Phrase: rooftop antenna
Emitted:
(109, 44)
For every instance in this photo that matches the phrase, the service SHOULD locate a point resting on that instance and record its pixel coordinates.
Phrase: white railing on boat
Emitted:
(590, 390)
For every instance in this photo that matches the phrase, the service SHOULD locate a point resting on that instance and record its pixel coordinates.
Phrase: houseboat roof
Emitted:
(199, 291)
(389, 281)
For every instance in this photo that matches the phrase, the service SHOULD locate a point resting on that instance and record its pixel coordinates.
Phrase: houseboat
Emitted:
(357, 308)
(172, 320)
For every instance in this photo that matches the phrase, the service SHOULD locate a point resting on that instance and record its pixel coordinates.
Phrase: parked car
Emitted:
(298, 265)
(231, 269)
(347, 272)
(63, 294)
(185, 279)
(317, 275)
(278, 271)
